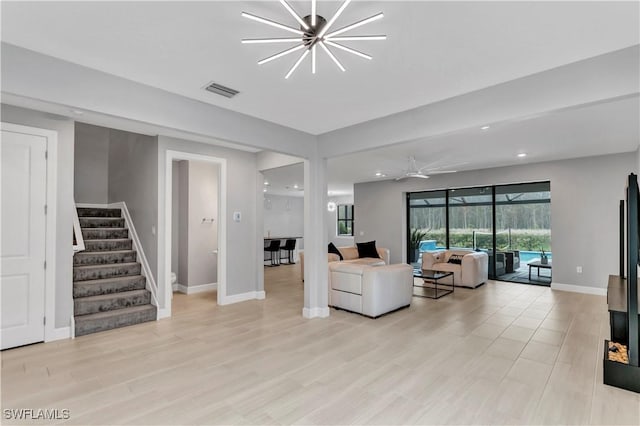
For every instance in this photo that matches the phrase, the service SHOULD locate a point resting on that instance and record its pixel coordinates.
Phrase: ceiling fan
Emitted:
(423, 172)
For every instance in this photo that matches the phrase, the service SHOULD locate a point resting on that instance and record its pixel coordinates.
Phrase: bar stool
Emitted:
(274, 247)
(289, 247)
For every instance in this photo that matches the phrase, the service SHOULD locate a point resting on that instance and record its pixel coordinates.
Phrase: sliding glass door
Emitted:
(523, 230)
(511, 223)
(427, 223)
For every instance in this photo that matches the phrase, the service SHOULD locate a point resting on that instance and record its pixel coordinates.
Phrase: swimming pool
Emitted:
(525, 256)
(529, 256)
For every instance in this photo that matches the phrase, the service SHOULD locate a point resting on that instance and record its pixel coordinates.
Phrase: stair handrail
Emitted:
(77, 231)
(146, 269)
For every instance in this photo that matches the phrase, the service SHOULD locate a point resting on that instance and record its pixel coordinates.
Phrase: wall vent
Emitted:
(221, 90)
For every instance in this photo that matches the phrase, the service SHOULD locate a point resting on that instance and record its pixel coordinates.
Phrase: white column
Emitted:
(316, 296)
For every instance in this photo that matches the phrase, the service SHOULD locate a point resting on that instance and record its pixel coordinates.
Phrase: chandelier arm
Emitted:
(272, 23)
(333, 19)
(357, 38)
(271, 40)
(294, 14)
(281, 54)
(348, 49)
(355, 25)
(328, 52)
(313, 58)
(293, 68)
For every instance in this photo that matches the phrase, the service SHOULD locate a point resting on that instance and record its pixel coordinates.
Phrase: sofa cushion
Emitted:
(333, 249)
(455, 259)
(370, 261)
(367, 249)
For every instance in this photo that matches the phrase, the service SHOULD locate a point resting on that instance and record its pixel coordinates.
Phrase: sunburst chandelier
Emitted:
(314, 32)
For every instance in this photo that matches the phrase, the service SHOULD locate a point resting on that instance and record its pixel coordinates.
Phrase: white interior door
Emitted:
(23, 239)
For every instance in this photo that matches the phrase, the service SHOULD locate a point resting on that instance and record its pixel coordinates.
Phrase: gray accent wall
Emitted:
(64, 210)
(585, 195)
(91, 173)
(133, 178)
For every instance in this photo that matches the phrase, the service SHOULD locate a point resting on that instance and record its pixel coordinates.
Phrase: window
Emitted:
(345, 219)
(511, 223)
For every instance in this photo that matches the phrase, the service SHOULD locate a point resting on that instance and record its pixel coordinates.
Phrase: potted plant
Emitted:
(544, 259)
(417, 235)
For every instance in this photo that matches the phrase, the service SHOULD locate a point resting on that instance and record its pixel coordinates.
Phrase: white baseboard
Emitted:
(597, 291)
(60, 334)
(243, 297)
(310, 313)
(195, 288)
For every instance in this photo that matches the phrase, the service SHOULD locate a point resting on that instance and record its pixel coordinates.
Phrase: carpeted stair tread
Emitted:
(101, 222)
(108, 244)
(108, 285)
(109, 290)
(102, 321)
(104, 257)
(110, 302)
(104, 233)
(98, 212)
(95, 272)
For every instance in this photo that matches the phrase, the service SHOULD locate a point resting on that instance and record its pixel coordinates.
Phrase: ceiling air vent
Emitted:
(221, 90)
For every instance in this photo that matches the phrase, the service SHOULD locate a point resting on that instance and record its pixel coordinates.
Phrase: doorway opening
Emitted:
(195, 226)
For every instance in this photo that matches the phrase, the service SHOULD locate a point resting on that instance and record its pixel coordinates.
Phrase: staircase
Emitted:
(108, 288)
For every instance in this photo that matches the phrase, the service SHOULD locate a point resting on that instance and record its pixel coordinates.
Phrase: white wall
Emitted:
(284, 216)
(133, 178)
(202, 237)
(65, 207)
(242, 260)
(585, 194)
(332, 223)
(91, 181)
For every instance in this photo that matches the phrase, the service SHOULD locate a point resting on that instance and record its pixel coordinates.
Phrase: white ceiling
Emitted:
(435, 50)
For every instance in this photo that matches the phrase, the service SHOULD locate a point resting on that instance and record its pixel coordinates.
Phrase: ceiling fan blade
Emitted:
(440, 172)
(420, 176)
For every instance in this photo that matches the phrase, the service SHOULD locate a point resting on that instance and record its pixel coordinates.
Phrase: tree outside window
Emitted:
(345, 219)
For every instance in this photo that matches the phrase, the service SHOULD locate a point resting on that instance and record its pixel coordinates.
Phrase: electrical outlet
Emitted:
(579, 269)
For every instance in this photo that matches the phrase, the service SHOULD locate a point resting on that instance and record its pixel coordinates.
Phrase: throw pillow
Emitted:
(367, 249)
(333, 249)
(456, 259)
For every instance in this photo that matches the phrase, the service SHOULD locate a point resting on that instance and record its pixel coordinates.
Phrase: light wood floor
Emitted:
(501, 354)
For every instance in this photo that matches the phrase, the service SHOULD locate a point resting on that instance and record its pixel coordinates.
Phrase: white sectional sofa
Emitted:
(472, 272)
(350, 255)
(370, 290)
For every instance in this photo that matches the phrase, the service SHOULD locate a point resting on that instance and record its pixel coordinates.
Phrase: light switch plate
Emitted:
(237, 216)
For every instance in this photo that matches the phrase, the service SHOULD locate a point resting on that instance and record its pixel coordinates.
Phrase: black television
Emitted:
(622, 299)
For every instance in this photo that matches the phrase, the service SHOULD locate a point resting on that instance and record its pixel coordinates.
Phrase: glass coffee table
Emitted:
(431, 288)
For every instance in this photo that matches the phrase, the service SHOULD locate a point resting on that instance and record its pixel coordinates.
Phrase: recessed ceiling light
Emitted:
(485, 127)
(295, 186)
(266, 183)
(378, 174)
(77, 111)
(522, 154)
(264, 190)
